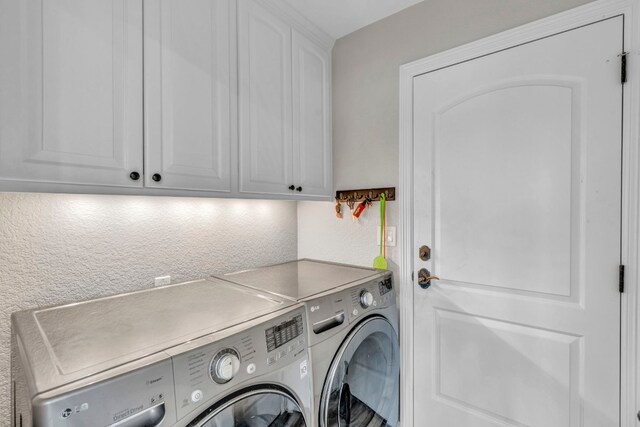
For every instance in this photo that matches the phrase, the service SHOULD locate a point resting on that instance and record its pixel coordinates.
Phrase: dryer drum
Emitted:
(268, 406)
(363, 383)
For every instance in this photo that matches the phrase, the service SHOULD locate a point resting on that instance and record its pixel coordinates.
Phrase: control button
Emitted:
(225, 365)
(251, 368)
(271, 360)
(196, 396)
(375, 303)
(366, 299)
(355, 311)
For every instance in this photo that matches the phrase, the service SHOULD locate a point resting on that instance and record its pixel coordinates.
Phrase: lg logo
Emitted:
(314, 308)
(67, 413)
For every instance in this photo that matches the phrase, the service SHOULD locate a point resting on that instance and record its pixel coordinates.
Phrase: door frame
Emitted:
(629, 322)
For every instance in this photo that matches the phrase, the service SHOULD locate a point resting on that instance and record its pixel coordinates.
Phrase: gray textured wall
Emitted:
(365, 108)
(61, 248)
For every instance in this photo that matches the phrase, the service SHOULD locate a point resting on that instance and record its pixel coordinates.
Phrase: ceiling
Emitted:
(341, 17)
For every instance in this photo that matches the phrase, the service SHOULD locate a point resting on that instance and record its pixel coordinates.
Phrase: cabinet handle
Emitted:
(292, 187)
(156, 177)
(134, 175)
(299, 189)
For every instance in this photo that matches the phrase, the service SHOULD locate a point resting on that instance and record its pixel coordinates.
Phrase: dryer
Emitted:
(353, 337)
(180, 355)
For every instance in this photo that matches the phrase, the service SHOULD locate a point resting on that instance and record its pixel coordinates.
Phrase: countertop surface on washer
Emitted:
(85, 338)
(301, 279)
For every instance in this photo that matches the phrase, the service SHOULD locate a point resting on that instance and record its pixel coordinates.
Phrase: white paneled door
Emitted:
(517, 190)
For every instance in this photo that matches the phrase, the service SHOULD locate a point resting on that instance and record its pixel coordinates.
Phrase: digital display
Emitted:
(281, 334)
(385, 286)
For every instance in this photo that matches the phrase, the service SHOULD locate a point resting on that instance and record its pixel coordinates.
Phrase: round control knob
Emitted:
(366, 299)
(196, 396)
(225, 365)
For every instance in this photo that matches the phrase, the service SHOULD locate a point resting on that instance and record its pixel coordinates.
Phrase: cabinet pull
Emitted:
(156, 177)
(299, 189)
(292, 187)
(134, 175)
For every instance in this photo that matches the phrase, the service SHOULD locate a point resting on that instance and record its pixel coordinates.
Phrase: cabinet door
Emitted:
(264, 61)
(71, 91)
(187, 77)
(311, 117)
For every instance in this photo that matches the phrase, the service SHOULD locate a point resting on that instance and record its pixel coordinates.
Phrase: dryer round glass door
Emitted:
(362, 387)
(262, 407)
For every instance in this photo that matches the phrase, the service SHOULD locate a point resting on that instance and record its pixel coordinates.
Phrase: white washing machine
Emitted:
(206, 353)
(353, 337)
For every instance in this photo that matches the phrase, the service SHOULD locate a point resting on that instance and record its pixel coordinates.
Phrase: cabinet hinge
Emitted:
(623, 67)
(621, 278)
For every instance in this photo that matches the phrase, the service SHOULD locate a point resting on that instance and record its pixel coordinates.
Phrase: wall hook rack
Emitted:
(371, 194)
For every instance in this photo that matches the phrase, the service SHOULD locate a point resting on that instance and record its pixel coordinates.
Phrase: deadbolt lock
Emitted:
(424, 253)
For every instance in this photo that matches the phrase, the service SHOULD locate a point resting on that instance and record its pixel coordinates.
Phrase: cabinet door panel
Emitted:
(187, 78)
(264, 44)
(71, 84)
(311, 117)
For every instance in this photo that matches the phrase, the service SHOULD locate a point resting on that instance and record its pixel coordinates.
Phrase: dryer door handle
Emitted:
(149, 417)
(330, 323)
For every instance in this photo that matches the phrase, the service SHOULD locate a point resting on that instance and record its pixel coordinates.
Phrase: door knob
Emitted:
(425, 278)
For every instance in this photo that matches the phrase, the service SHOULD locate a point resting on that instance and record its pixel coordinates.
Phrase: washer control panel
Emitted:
(207, 372)
(372, 295)
(331, 312)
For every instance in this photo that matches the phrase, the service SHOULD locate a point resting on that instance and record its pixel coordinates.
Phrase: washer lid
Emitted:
(298, 280)
(66, 343)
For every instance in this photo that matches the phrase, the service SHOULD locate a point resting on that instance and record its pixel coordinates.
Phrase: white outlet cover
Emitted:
(162, 280)
(390, 235)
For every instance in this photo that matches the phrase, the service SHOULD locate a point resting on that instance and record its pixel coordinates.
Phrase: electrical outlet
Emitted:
(162, 280)
(390, 235)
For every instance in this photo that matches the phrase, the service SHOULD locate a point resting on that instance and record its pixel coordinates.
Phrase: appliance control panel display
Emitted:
(279, 335)
(385, 286)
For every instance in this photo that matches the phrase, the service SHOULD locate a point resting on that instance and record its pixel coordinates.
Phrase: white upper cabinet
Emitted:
(187, 94)
(71, 91)
(284, 104)
(311, 117)
(264, 66)
(225, 98)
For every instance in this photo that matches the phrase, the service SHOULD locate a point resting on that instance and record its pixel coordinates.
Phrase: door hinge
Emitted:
(412, 276)
(621, 278)
(623, 67)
